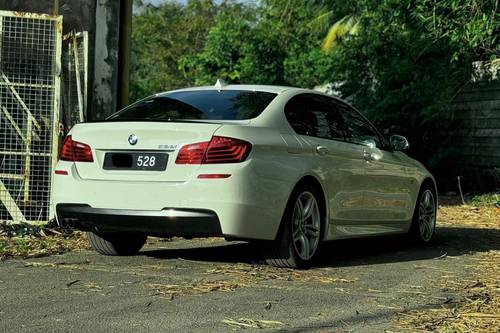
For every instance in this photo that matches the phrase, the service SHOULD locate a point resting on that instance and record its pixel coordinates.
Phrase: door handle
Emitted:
(368, 156)
(322, 150)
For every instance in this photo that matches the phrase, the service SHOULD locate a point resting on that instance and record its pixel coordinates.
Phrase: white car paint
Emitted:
(362, 198)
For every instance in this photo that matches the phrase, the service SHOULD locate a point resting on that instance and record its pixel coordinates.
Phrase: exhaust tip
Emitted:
(68, 223)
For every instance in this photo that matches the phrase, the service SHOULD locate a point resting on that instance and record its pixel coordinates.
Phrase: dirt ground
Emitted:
(209, 285)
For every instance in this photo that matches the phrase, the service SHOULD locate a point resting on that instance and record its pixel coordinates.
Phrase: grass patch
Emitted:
(489, 199)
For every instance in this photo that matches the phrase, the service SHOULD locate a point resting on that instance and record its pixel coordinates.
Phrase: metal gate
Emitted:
(74, 77)
(30, 56)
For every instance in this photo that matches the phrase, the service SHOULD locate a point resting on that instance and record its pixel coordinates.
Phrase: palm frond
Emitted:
(320, 22)
(348, 25)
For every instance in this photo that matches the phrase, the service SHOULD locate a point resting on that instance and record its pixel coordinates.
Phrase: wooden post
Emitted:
(124, 52)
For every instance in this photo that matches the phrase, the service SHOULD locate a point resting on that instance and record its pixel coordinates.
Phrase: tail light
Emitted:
(216, 151)
(192, 154)
(74, 151)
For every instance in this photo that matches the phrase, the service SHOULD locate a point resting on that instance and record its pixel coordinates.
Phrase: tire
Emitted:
(307, 226)
(423, 225)
(116, 244)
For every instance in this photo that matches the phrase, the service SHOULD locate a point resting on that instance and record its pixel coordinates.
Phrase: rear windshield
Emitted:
(198, 105)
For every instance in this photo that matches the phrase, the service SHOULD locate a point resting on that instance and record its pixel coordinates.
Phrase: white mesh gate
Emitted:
(74, 77)
(30, 53)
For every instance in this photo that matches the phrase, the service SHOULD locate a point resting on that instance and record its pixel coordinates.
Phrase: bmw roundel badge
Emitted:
(132, 139)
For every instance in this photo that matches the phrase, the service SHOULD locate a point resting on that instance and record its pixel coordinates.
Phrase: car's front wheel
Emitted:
(299, 237)
(424, 218)
(116, 244)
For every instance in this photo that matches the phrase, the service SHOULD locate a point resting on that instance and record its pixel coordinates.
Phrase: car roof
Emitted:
(248, 87)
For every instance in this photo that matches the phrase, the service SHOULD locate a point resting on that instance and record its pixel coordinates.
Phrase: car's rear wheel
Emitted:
(116, 244)
(424, 218)
(299, 237)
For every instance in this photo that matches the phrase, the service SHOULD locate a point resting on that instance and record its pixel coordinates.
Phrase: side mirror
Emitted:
(399, 143)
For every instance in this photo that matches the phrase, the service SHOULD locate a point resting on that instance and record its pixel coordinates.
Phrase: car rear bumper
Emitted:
(246, 206)
(166, 222)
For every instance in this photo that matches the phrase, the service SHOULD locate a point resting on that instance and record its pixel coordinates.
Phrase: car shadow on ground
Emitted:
(450, 241)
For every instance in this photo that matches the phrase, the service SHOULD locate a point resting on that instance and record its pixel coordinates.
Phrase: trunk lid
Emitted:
(152, 137)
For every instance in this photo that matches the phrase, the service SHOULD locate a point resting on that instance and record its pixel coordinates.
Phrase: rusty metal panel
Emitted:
(30, 67)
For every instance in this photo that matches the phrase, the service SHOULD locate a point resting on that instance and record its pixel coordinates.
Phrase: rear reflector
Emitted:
(219, 150)
(61, 172)
(74, 151)
(213, 176)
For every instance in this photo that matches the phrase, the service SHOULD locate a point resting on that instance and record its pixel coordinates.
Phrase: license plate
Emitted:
(135, 161)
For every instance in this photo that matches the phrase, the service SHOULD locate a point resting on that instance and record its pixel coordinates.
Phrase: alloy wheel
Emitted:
(427, 215)
(306, 225)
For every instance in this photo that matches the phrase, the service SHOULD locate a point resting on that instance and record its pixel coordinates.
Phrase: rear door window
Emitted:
(198, 105)
(312, 115)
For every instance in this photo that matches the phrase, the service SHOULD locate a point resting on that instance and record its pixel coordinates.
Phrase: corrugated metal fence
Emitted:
(471, 141)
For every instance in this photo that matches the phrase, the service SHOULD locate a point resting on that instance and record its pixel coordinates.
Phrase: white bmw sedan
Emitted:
(287, 167)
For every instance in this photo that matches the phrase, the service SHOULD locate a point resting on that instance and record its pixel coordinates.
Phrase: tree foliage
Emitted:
(401, 61)
(163, 34)
(410, 58)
